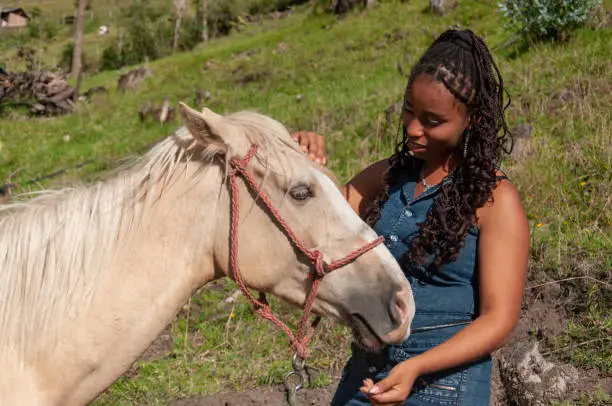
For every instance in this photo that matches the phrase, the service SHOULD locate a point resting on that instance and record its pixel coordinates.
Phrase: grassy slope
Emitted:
(346, 72)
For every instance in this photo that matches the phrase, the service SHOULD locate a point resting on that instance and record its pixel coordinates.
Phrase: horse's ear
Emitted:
(206, 127)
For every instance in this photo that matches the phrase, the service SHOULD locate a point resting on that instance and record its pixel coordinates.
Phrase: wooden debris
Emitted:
(46, 92)
(162, 114)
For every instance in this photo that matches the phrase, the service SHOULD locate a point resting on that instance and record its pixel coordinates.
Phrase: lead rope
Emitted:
(299, 341)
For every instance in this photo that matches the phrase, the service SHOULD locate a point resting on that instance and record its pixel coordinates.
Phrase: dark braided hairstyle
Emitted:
(462, 62)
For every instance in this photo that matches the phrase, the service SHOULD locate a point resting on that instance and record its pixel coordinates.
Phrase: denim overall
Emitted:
(446, 300)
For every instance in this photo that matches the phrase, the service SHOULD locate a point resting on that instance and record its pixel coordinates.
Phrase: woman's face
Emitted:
(434, 119)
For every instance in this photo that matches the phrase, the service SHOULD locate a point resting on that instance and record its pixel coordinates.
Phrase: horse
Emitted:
(90, 275)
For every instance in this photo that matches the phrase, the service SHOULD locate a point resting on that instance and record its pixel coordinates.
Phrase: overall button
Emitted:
(393, 238)
(408, 213)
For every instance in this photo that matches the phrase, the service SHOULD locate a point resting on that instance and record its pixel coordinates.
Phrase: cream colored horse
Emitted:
(89, 277)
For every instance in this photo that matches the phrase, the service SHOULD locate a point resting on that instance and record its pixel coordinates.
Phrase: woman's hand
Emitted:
(395, 388)
(313, 145)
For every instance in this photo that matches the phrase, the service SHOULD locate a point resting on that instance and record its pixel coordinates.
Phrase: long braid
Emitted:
(462, 62)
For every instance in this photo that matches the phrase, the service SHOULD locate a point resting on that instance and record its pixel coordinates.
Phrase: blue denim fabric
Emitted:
(446, 300)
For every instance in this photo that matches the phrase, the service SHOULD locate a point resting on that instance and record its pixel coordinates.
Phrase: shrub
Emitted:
(111, 58)
(65, 62)
(547, 19)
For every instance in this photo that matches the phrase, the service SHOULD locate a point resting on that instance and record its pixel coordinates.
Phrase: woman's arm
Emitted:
(363, 188)
(503, 251)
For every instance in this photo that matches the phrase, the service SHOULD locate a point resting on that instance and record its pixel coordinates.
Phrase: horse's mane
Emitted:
(55, 248)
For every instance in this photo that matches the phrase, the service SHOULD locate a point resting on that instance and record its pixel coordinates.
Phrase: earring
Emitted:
(466, 142)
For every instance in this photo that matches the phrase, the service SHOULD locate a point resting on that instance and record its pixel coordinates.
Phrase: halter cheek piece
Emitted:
(299, 341)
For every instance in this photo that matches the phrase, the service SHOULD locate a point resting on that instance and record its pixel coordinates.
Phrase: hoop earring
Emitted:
(466, 142)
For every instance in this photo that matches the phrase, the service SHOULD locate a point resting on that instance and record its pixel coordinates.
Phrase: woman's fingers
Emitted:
(313, 145)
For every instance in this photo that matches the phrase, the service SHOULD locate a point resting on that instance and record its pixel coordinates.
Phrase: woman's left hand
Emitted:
(395, 388)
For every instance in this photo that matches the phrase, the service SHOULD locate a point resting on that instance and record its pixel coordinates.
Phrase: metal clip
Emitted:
(292, 389)
(299, 368)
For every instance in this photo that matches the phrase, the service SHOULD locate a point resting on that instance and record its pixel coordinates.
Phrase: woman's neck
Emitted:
(436, 170)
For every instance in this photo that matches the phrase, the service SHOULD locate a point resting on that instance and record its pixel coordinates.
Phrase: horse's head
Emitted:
(370, 294)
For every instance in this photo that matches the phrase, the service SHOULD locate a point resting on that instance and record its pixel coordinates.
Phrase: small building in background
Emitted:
(13, 17)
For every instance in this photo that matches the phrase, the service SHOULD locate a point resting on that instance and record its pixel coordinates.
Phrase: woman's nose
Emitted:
(414, 128)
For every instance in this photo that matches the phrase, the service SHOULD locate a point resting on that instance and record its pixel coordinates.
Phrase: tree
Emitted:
(204, 20)
(77, 56)
(180, 6)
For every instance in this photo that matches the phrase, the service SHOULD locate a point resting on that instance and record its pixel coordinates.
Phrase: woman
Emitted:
(456, 225)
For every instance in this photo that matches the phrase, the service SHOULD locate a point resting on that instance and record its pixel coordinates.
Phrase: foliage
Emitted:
(65, 62)
(42, 29)
(547, 19)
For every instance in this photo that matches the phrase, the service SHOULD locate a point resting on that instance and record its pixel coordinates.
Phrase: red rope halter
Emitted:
(299, 341)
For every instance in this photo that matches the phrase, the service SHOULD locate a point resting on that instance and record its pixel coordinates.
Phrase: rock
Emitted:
(522, 141)
(393, 111)
(281, 48)
(160, 348)
(131, 79)
(209, 64)
(563, 97)
(441, 7)
(531, 380)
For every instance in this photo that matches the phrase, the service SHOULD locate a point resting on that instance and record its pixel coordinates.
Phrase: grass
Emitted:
(345, 72)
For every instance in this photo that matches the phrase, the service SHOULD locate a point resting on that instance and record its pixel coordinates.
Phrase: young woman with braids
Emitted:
(456, 225)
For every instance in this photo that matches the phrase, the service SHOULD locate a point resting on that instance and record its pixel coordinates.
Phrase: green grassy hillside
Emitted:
(337, 77)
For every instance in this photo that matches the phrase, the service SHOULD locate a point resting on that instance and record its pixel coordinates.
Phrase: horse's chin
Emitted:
(364, 335)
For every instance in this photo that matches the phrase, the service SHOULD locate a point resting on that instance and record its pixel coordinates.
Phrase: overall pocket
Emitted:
(444, 388)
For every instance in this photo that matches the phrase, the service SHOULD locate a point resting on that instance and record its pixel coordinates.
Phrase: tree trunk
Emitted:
(77, 55)
(177, 29)
(343, 6)
(204, 20)
(179, 9)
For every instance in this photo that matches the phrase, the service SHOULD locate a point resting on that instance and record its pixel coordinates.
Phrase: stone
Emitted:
(530, 380)
(522, 147)
(442, 7)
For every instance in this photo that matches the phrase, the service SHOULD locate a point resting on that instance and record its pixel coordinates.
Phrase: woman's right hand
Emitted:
(313, 145)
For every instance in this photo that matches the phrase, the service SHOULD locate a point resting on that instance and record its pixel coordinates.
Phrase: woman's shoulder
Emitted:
(505, 203)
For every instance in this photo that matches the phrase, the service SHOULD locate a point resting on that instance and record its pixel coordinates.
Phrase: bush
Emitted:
(65, 62)
(547, 19)
(111, 58)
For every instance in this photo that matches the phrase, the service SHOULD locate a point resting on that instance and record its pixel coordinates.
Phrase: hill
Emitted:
(337, 77)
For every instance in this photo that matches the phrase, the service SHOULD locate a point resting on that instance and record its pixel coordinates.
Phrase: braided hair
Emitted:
(462, 62)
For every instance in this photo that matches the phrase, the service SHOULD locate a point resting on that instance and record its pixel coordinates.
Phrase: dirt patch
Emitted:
(274, 396)
(545, 314)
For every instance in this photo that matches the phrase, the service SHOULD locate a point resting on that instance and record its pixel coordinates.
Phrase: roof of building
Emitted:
(10, 10)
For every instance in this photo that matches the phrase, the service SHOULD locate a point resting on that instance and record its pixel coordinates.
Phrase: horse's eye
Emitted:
(300, 193)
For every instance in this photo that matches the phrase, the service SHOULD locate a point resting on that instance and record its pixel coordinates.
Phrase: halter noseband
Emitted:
(299, 341)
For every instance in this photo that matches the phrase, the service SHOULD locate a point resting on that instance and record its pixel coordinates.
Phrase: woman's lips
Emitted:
(416, 147)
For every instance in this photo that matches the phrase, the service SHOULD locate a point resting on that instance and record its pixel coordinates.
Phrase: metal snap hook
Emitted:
(298, 363)
(298, 385)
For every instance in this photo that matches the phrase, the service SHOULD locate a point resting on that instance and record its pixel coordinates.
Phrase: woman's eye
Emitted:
(434, 122)
(300, 193)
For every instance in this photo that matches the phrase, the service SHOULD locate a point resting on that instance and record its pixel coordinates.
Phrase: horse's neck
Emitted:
(167, 257)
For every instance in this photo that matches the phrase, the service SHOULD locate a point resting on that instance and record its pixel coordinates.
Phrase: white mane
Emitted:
(55, 248)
